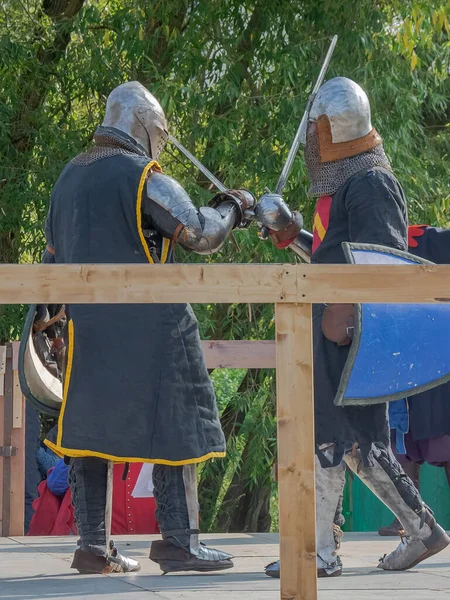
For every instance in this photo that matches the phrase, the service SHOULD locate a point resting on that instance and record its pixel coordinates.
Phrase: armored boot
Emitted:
(175, 490)
(90, 480)
(329, 487)
(422, 537)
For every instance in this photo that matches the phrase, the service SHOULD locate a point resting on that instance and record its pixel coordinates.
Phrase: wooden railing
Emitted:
(293, 289)
(12, 444)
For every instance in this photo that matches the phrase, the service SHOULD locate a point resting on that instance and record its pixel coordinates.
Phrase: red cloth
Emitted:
(415, 231)
(131, 515)
(54, 515)
(321, 220)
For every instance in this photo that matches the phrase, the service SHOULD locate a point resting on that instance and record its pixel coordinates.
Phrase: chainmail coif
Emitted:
(327, 178)
(108, 142)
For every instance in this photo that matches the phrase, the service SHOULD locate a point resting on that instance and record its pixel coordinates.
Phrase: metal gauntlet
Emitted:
(285, 227)
(243, 200)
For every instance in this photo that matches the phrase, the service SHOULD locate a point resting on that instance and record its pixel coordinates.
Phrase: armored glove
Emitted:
(280, 223)
(243, 200)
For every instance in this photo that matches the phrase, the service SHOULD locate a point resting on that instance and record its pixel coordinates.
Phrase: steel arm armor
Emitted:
(202, 230)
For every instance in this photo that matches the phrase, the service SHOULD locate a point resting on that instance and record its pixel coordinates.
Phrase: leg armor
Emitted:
(329, 488)
(423, 537)
(175, 490)
(412, 469)
(339, 519)
(90, 481)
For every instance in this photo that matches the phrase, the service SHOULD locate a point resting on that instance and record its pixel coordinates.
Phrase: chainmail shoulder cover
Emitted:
(327, 178)
(108, 142)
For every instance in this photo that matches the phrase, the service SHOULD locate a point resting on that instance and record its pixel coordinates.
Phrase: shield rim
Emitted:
(25, 339)
(339, 399)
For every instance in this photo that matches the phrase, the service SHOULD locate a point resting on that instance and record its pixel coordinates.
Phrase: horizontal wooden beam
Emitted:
(373, 283)
(239, 354)
(227, 283)
(125, 284)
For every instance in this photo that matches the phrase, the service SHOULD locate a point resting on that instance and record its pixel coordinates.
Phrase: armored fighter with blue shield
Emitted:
(359, 200)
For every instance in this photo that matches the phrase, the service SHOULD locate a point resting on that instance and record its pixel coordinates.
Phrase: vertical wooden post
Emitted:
(17, 490)
(7, 442)
(13, 448)
(296, 452)
(2, 400)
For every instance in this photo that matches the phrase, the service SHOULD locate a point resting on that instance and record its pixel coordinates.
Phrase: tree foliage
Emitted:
(233, 78)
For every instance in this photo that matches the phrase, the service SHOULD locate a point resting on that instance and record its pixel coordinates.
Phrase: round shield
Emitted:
(40, 379)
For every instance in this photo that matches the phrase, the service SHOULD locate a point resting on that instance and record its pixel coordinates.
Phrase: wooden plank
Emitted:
(17, 487)
(239, 354)
(223, 283)
(15, 355)
(2, 381)
(2, 368)
(7, 441)
(373, 283)
(17, 403)
(295, 407)
(147, 283)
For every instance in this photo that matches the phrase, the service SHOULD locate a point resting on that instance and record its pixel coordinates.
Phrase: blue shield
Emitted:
(398, 350)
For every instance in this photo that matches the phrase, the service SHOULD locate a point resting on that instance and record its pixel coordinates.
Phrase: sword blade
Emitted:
(198, 164)
(296, 143)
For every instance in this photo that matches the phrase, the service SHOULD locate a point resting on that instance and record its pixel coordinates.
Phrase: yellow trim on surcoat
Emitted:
(165, 250)
(151, 165)
(68, 373)
(73, 453)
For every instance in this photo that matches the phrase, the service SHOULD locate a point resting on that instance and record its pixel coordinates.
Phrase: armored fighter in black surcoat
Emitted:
(136, 387)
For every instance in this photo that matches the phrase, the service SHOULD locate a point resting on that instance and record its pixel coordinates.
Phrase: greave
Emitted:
(88, 480)
(387, 480)
(329, 486)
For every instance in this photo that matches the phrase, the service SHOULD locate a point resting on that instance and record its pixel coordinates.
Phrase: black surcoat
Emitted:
(136, 385)
(368, 208)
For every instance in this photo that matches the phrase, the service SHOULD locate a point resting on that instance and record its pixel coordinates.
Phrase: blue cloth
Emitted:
(46, 459)
(399, 420)
(58, 478)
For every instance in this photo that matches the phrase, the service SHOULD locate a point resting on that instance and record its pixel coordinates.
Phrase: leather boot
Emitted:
(172, 558)
(175, 490)
(88, 560)
(91, 485)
